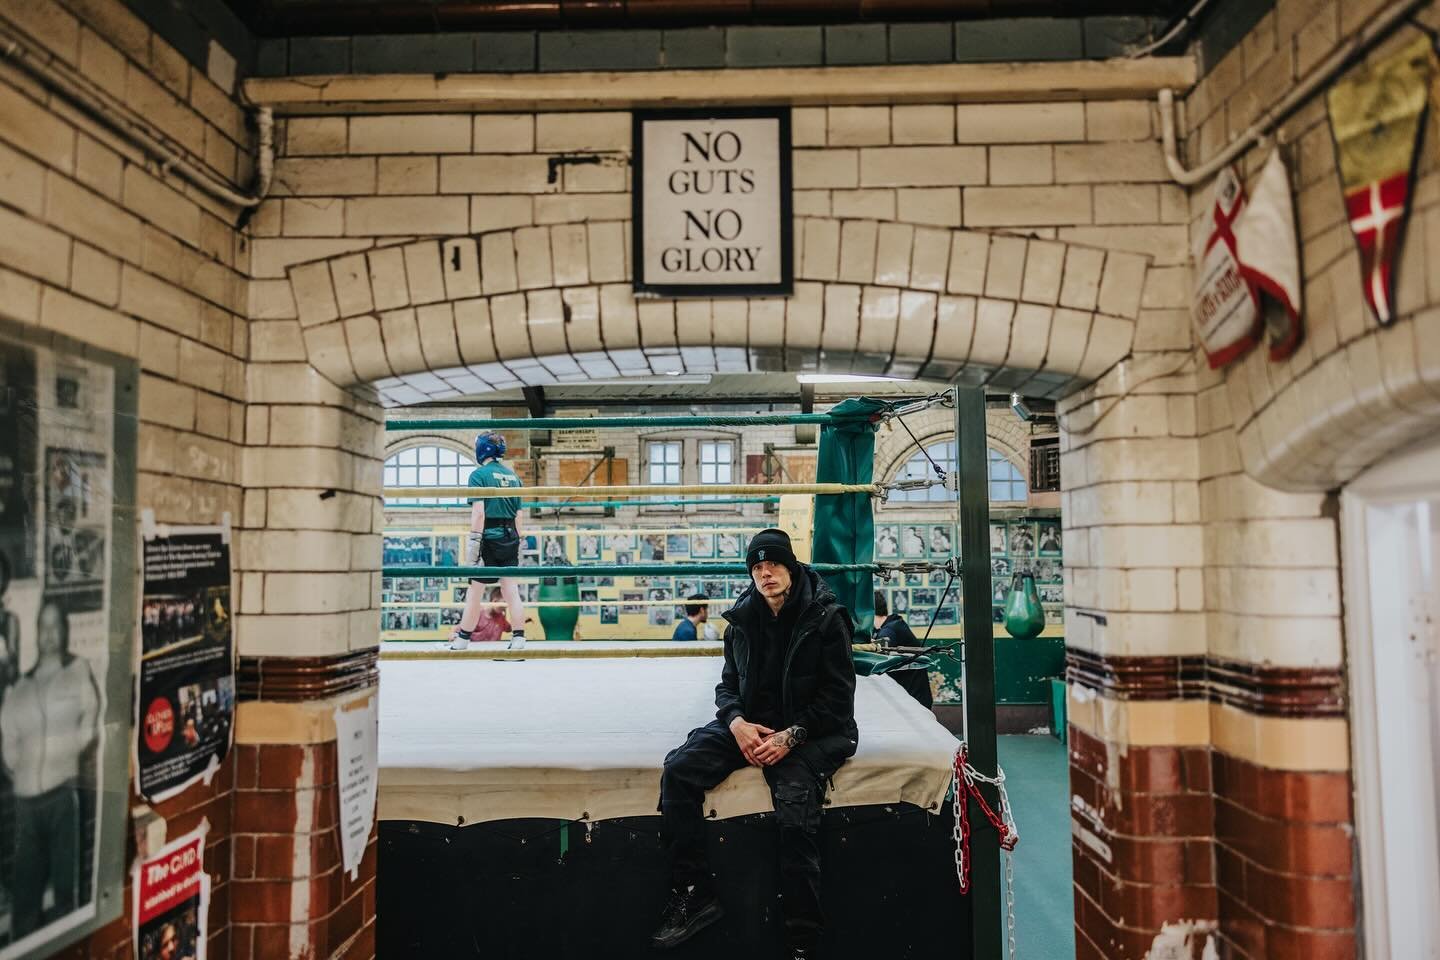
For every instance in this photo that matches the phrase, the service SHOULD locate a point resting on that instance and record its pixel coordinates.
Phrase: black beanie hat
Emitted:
(770, 544)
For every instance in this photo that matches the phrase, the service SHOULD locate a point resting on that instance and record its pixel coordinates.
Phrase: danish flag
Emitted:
(1377, 214)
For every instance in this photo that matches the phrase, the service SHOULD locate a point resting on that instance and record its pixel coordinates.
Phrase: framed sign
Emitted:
(712, 208)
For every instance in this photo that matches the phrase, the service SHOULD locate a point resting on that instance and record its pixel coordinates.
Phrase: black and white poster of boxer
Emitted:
(186, 703)
(59, 733)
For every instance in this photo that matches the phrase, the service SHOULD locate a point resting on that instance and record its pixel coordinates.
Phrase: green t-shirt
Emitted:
(496, 474)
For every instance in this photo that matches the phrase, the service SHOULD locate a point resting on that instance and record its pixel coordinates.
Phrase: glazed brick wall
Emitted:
(1156, 812)
(285, 834)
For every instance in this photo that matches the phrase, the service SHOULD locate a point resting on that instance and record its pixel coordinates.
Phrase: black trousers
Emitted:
(797, 786)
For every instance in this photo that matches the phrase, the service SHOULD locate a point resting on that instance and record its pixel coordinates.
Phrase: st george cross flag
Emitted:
(1376, 114)
(1269, 255)
(1225, 309)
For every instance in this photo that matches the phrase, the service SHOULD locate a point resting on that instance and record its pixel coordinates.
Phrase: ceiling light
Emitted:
(845, 378)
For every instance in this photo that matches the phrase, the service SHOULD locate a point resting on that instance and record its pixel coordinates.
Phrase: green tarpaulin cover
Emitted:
(844, 524)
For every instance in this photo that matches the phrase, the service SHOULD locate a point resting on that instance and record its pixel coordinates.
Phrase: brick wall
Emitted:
(98, 244)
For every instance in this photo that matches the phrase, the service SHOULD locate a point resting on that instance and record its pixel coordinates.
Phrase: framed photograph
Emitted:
(1052, 593)
(900, 601)
(702, 545)
(887, 541)
(947, 615)
(427, 619)
(427, 596)
(1055, 616)
(998, 542)
(1049, 571)
(529, 543)
(1049, 539)
(713, 588)
(652, 548)
(622, 558)
(450, 616)
(1000, 568)
(590, 600)
(1022, 539)
(1000, 590)
(435, 583)
(458, 594)
(661, 615)
(923, 597)
(552, 548)
(728, 546)
(686, 588)
(620, 541)
(912, 541)
(677, 545)
(630, 602)
(589, 545)
(941, 539)
(446, 552)
(997, 614)
(604, 581)
(408, 584)
(609, 613)
(685, 243)
(641, 581)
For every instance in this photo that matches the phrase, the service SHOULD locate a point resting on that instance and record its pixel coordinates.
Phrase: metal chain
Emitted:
(961, 831)
(1010, 903)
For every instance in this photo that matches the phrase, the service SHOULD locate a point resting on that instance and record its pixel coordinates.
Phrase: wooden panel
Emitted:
(609, 473)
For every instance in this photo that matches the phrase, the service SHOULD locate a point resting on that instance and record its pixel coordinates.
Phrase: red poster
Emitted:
(172, 900)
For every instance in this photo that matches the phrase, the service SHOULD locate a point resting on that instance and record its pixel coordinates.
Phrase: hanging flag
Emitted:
(1376, 115)
(1269, 255)
(1225, 309)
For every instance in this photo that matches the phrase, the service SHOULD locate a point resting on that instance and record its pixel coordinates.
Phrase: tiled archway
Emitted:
(440, 318)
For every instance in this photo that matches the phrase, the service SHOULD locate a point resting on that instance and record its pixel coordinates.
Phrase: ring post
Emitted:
(978, 673)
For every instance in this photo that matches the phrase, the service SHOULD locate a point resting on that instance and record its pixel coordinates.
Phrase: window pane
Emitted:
(707, 473)
(672, 473)
(407, 456)
(449, 456)
(389, 480)
(428, 454)
(449, 476)
(427, 477)
(723, 472)
(407, 477)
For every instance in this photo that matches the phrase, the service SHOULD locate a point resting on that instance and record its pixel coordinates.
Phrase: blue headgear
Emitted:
(489, 446)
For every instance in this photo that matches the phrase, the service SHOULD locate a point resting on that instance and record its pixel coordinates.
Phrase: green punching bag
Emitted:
(1024, 617)
(559, 622)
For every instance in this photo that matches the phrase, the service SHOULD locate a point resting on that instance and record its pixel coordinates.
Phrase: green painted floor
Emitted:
(1037, 777)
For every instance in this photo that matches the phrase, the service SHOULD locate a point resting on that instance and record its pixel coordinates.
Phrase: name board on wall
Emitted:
(712, 212)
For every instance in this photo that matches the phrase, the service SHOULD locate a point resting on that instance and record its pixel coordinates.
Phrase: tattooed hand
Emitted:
(775, 747)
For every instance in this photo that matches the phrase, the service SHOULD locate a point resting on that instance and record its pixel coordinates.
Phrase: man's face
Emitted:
(771, 579)
(169, 943)
(704, 615)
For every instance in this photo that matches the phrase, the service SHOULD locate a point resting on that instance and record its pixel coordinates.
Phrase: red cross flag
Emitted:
(1269, 255)
(1225, 308)
(1376, 113)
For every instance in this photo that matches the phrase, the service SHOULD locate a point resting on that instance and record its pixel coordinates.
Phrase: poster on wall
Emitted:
(357, 745)
(712, 202)
(67, 458)
(172, 900)
(186, 680)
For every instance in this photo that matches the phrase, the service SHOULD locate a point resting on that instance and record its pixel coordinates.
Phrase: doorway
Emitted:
(1391, 540)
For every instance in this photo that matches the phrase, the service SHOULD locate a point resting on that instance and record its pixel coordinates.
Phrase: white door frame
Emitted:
(1414, 475)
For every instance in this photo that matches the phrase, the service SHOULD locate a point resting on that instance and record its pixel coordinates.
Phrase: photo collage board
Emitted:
(1015, 546)
(632, 608)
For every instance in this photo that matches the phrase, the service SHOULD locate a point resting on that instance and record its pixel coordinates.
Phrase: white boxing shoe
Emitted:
(516, 643)
(458, 642)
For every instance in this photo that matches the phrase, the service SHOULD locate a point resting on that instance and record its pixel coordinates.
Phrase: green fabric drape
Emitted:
(844, 523)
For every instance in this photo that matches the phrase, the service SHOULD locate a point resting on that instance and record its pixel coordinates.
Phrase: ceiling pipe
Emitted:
(103, 108)
(1380, 25)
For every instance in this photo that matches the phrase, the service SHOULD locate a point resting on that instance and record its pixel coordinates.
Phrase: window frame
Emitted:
(397, 460)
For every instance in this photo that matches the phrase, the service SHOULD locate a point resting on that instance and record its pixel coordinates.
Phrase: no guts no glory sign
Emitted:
(712, 203)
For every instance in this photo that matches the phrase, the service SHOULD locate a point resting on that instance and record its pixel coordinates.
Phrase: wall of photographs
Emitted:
(612, 607)
(620, 607)
(1016, 545)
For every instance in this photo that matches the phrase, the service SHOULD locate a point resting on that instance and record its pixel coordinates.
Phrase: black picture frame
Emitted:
(642, 287)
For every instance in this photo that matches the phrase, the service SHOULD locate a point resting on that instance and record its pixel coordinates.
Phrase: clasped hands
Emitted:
(761, 746)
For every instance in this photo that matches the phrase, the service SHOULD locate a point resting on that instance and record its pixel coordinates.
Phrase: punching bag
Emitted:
(559, 622)
(1024, 617)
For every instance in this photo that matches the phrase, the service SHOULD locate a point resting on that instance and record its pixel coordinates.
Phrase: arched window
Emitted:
(1007, 484)
(427, 466)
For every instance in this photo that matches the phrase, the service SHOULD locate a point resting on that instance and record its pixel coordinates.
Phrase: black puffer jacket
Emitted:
(818, 681)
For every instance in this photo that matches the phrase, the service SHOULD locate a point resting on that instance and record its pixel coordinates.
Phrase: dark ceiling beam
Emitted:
(534, 400)
(274, 18)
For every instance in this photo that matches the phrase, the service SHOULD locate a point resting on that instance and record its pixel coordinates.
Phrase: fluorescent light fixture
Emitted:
(667, 380)
(845, 378)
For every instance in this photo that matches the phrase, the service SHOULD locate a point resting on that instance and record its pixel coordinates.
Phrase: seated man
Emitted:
(696, 613)
(891, 630)
(785, 703)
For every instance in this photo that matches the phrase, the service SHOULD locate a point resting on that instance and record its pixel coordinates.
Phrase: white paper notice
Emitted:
(357, 749)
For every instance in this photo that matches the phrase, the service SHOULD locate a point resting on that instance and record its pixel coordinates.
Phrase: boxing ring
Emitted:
(517, 807)
(518, 790)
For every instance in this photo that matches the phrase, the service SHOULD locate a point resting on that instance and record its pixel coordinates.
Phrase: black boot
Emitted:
(689, 911)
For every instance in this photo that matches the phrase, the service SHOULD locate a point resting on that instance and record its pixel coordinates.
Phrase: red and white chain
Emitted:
(966, 780)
